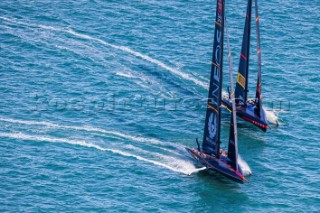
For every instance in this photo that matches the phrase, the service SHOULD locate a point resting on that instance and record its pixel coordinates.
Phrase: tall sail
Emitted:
(211, 136)
(258, 99)
(233, 136)
(242, 78)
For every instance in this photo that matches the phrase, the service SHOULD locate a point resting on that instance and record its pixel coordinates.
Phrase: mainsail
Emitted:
(211, 136)
(242, 78)
(258, 99)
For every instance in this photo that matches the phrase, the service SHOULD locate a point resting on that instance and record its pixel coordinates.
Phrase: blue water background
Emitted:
(99, 98)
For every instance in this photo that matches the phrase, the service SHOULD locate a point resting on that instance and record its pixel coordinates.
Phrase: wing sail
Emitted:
(242, 78)
(211, 136)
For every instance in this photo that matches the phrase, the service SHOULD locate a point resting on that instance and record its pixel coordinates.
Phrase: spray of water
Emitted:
(271, 116)
(244, 166)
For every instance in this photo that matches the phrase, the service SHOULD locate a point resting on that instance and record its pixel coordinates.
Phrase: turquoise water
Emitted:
(99, 98)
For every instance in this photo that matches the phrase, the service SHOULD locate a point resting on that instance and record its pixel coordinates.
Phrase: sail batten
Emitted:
(211, 136)
(242, 78)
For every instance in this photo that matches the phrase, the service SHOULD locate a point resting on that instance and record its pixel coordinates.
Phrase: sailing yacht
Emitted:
(210, 155)
(248, 109)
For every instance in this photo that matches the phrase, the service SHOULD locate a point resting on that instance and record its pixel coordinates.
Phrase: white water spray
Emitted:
(244, 166)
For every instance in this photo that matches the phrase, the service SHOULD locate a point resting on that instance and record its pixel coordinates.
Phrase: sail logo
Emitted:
(215, 85)
(216, 69)
(217, 58)
(241, 80)
(215, 91)
(218, 49)
(212, 127)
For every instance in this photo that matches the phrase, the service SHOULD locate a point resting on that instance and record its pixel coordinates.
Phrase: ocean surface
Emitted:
(99, 98)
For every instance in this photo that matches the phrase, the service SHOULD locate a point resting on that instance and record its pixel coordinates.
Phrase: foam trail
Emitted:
(244, 166)
(161, 64)
(145, 57)
(93, 129)
(141, 80)
(87, 144)
(178, 162)
(140, 55)
(82, 128)
(125, 75)
(32, 25)
(122, 48)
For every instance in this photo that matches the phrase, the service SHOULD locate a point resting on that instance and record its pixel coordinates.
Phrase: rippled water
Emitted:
(99, 98)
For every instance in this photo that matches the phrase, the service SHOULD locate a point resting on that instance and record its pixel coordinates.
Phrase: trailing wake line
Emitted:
(122, 48)
(91, 129)
(90, 145)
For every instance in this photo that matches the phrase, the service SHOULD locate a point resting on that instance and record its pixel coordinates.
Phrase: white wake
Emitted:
(176, 165)
(86, 128)
(122, 48)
